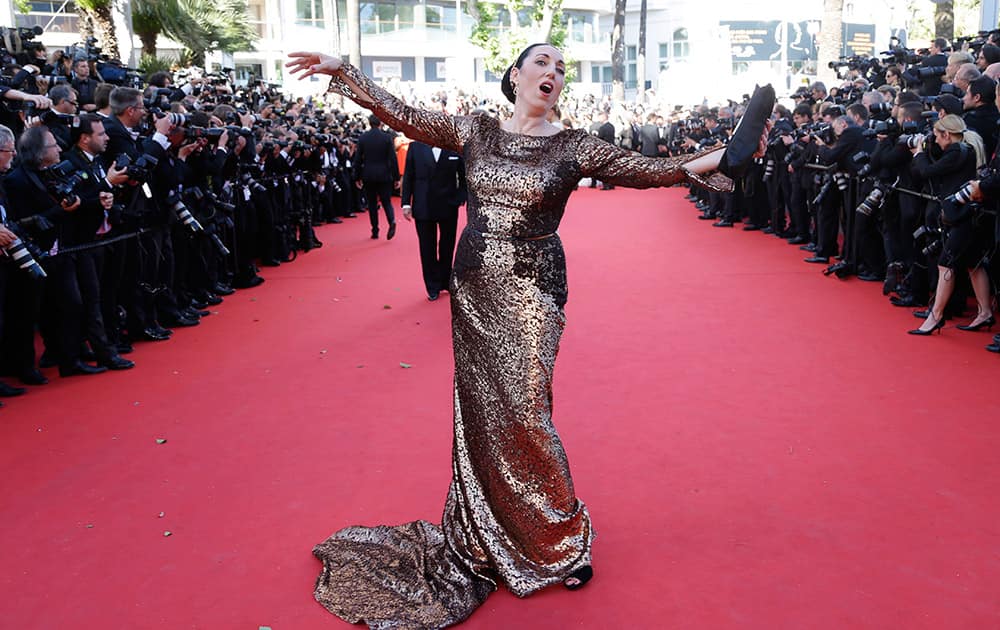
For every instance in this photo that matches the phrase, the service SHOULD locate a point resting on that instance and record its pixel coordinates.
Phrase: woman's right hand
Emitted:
(310, 63)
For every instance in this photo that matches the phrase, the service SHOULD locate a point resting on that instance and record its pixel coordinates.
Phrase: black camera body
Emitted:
(62, 180)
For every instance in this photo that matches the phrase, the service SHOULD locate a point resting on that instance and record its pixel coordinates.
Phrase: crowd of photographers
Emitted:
(129, 207)
(891, 177)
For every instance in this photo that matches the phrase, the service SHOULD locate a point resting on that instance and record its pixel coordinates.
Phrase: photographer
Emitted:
(83, 83)
(961, 153)
(848, 141)
(76, 283)
(12, 313)
(801, 151)
(32, 206)
(931, 85)
(981, 113)
(61, 116)
(145, 257)
(988, 54)
(890, 166)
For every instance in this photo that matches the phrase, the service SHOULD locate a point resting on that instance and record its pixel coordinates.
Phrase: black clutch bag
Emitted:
(746, 137)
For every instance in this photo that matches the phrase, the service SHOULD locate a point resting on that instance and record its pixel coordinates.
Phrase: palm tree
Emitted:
(944, 19)
(354, 32)
(831, 38)
(98, 22)
(641, 55)
(199, 25)
(618, 54)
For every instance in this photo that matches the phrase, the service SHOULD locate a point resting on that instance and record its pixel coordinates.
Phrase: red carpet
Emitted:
(759, 446)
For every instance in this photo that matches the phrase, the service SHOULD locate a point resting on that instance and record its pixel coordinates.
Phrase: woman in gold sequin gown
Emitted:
(511, 513)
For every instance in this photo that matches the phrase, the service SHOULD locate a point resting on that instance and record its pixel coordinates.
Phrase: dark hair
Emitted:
(985, 88)
(991, 53)
(859, 110)
(31, 146)
(803, 110)
(374, 122)
(85, 126)
(505, 85)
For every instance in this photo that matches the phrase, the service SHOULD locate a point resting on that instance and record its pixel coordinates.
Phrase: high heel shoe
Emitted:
(986, 323)
(578, 578)
(923, 333)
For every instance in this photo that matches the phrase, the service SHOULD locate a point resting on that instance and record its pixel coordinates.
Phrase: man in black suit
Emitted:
(433, 189)
(649, 137)
(378, 170)
(838, 155)
(606, 132)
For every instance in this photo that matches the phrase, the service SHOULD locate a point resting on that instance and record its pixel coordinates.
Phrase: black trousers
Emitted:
(437, 250)
(72, 307)
(828, 223)
(375, 193)
(22, 297)
(799, 208)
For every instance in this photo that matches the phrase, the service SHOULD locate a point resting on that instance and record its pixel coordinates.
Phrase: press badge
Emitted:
(146, 191)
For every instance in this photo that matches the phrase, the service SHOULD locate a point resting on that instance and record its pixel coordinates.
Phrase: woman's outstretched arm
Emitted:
(619, 167)
(434, 128)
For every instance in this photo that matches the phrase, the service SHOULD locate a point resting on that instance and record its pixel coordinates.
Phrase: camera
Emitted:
(932, 237)
(21, 255)
(62, 180)
(212, 134)
(176, 204)
(872, 202)
(139, 170)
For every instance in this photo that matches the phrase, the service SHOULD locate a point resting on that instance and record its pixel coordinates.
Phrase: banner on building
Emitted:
(859, 40)
(754, 41)
(387, 69)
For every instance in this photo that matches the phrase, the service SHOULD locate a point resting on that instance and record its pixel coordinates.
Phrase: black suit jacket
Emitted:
(606, 132)
(435, 190)
(27, 196)
(649, 137)
(376, 157)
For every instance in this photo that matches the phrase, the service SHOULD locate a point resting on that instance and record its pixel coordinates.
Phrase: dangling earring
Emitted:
(513, 89)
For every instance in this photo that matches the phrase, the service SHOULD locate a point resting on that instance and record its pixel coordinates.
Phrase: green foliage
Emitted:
(200, 25)
(921, 24)
(23, 6)
(536, 21)
(149, 64)
(93, 5)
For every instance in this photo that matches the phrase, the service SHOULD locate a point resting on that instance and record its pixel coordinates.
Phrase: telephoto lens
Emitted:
(964, 194)
(18, 251)
(183, 213)
(872, 202)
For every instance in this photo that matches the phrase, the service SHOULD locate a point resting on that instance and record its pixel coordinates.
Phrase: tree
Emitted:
(201, 26)
(944, 19)
(618, 53)
(831, 38)
(641, 55)
(526, 23)
(97, 21)
(354, 32)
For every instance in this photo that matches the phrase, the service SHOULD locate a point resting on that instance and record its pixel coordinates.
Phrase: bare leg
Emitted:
(945, 287)
(981, 286)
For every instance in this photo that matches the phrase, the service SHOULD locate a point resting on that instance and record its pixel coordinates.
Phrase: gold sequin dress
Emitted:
(511, 514)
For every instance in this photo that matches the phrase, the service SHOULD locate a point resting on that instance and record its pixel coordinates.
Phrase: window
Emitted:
(682, 47)
(631, 67)
(309, 13)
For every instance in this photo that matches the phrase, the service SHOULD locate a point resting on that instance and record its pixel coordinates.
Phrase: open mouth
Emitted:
(546, 87)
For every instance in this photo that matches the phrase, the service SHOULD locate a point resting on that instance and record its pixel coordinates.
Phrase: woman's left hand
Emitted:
(310, 63)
